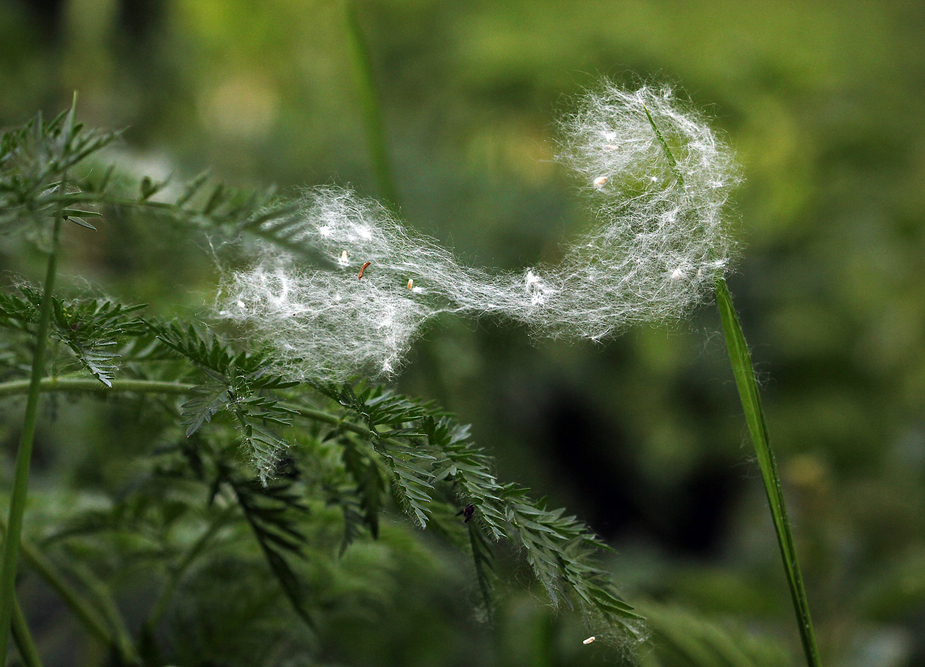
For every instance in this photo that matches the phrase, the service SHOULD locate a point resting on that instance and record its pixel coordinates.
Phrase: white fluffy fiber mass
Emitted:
(657, 242)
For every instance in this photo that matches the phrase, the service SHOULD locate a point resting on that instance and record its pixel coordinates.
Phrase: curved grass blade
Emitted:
(741, 361)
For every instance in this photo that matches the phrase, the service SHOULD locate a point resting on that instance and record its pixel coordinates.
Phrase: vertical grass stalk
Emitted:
(24, 455)
(744, 373)
(82, 608)
(176, 574)
(371, 106)
(121, 638)
(23, 638)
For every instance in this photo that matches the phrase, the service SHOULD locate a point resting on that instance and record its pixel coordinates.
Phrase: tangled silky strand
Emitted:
(658, 179)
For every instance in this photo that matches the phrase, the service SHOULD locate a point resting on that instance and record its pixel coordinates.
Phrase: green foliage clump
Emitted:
(247, 474)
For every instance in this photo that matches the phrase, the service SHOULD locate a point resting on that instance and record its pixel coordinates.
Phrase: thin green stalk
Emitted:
(371, 106)
(23, 638)
(121, 637)
(78, 603)
(92, 385)
(169, 208)
(24, 455)
(170, 586)
(664, 144)
(744, 373)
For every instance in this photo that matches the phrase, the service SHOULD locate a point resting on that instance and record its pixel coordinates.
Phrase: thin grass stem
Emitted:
(78, 603)
(176, 574)
(24, 455)
(664, 144)
(121, 638)
(370, 105)
(94, 386)
(23, 638)
(743, 370)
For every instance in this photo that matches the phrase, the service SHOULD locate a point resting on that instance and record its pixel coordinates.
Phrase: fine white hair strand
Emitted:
(658, 180)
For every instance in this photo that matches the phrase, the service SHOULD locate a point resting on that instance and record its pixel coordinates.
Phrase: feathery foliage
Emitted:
(380, 449)
(34, 163)
(266, 442)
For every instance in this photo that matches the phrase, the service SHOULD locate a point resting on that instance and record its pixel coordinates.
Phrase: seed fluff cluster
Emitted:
(658, 180)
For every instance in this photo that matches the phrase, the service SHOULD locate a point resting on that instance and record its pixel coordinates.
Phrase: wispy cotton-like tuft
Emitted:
(657, 178)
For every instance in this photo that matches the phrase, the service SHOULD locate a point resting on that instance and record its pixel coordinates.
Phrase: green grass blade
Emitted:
(668, 154)
(23, 638)
(177, 573)
(121, 637)
(741, 361)
(371, 106)
(24, 455)
(81, 607)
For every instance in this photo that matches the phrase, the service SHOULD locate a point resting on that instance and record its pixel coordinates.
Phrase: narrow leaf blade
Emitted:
(742, 368)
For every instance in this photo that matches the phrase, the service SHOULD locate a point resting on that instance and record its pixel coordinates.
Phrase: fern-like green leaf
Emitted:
(271, 512)
(243, 378)
(425, 449)
(560, 550)
(370, 490)
(412, 478)
(17, 312)
(482, 558)
(207, 400)
(99, 359)
(33, 161)
(265, 447)
(90, 328)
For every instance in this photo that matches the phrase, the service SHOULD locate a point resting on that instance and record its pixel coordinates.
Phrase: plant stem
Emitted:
(92, 385)
(744, 373)
(24, 455)
(371, 106)
(121, 638)
(668, 154)
(163, 600)
(85, 611)
(23, 638)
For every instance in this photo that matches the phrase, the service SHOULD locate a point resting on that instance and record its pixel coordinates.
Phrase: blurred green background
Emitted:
(643, 437)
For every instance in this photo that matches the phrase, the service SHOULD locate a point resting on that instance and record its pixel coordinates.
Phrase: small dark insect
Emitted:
(362, 269)
(468, 512)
